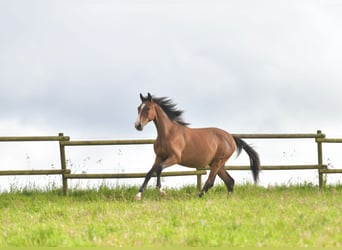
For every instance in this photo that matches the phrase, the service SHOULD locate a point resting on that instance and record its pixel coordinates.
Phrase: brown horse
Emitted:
(176, 143)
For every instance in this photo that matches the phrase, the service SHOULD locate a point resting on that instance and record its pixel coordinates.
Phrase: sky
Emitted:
(78, 66)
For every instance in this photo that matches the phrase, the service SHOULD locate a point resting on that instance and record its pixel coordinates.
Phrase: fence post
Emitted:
(321, 179)
(63, 165)
(199, 181)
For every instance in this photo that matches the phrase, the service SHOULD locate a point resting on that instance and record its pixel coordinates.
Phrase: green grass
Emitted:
(253, 216)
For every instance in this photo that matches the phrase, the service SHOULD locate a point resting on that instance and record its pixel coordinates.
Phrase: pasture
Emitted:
(253, 216)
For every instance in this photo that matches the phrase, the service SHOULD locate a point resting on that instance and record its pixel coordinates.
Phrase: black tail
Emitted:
(253, 156)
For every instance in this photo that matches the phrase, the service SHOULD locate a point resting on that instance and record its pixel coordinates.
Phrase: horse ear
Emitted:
(141, 97)
(149, 97)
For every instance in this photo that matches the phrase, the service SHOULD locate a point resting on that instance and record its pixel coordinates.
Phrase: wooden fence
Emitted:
(64, 141)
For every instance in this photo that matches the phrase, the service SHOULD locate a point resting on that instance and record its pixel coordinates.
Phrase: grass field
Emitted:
(253, 216)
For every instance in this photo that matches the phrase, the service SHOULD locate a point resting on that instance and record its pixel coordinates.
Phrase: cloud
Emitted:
(79, 66)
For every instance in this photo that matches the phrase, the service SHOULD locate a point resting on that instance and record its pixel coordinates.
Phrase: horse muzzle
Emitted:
(139, 126)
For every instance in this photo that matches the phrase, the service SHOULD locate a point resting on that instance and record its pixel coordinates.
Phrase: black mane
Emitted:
(170, 109)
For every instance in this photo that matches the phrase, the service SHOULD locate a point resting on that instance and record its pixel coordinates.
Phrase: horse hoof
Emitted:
(162, 193)
(138, 197)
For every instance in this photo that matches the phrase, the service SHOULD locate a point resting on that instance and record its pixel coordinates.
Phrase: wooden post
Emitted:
(321, 179)
(63, 165)
(199, 181)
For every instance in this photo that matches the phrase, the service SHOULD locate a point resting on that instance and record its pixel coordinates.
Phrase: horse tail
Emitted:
(253, 156)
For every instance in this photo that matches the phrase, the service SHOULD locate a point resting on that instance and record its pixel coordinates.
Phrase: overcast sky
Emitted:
(79, 66)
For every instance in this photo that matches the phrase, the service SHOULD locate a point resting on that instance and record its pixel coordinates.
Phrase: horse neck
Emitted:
(163, 122)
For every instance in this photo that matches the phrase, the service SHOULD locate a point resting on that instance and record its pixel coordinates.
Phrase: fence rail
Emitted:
(133, 175)
(276, 167)
(60, 137)
(107, 142)
(281, 136)
(64, 141)
(35, 172)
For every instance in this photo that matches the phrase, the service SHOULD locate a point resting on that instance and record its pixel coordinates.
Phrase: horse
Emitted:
(177, 143)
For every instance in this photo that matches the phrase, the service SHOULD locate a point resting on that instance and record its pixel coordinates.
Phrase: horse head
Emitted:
(146, 112)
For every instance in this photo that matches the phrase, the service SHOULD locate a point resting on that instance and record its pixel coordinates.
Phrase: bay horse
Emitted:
(176, 143)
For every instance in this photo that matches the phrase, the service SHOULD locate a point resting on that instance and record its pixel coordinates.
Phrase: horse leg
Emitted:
(215, 167)
(228, 180)
(157, 167)
(209, 182)
(148, 176)
(159, 187)
(143, 186)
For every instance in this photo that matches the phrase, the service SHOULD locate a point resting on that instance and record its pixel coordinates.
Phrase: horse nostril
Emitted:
(138, 126)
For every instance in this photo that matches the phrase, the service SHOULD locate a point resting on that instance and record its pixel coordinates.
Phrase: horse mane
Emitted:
(170, 109)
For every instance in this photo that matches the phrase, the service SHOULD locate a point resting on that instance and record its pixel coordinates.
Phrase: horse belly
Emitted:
(197, 157)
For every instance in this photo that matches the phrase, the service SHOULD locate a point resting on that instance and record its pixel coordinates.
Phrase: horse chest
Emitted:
(167, 147)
